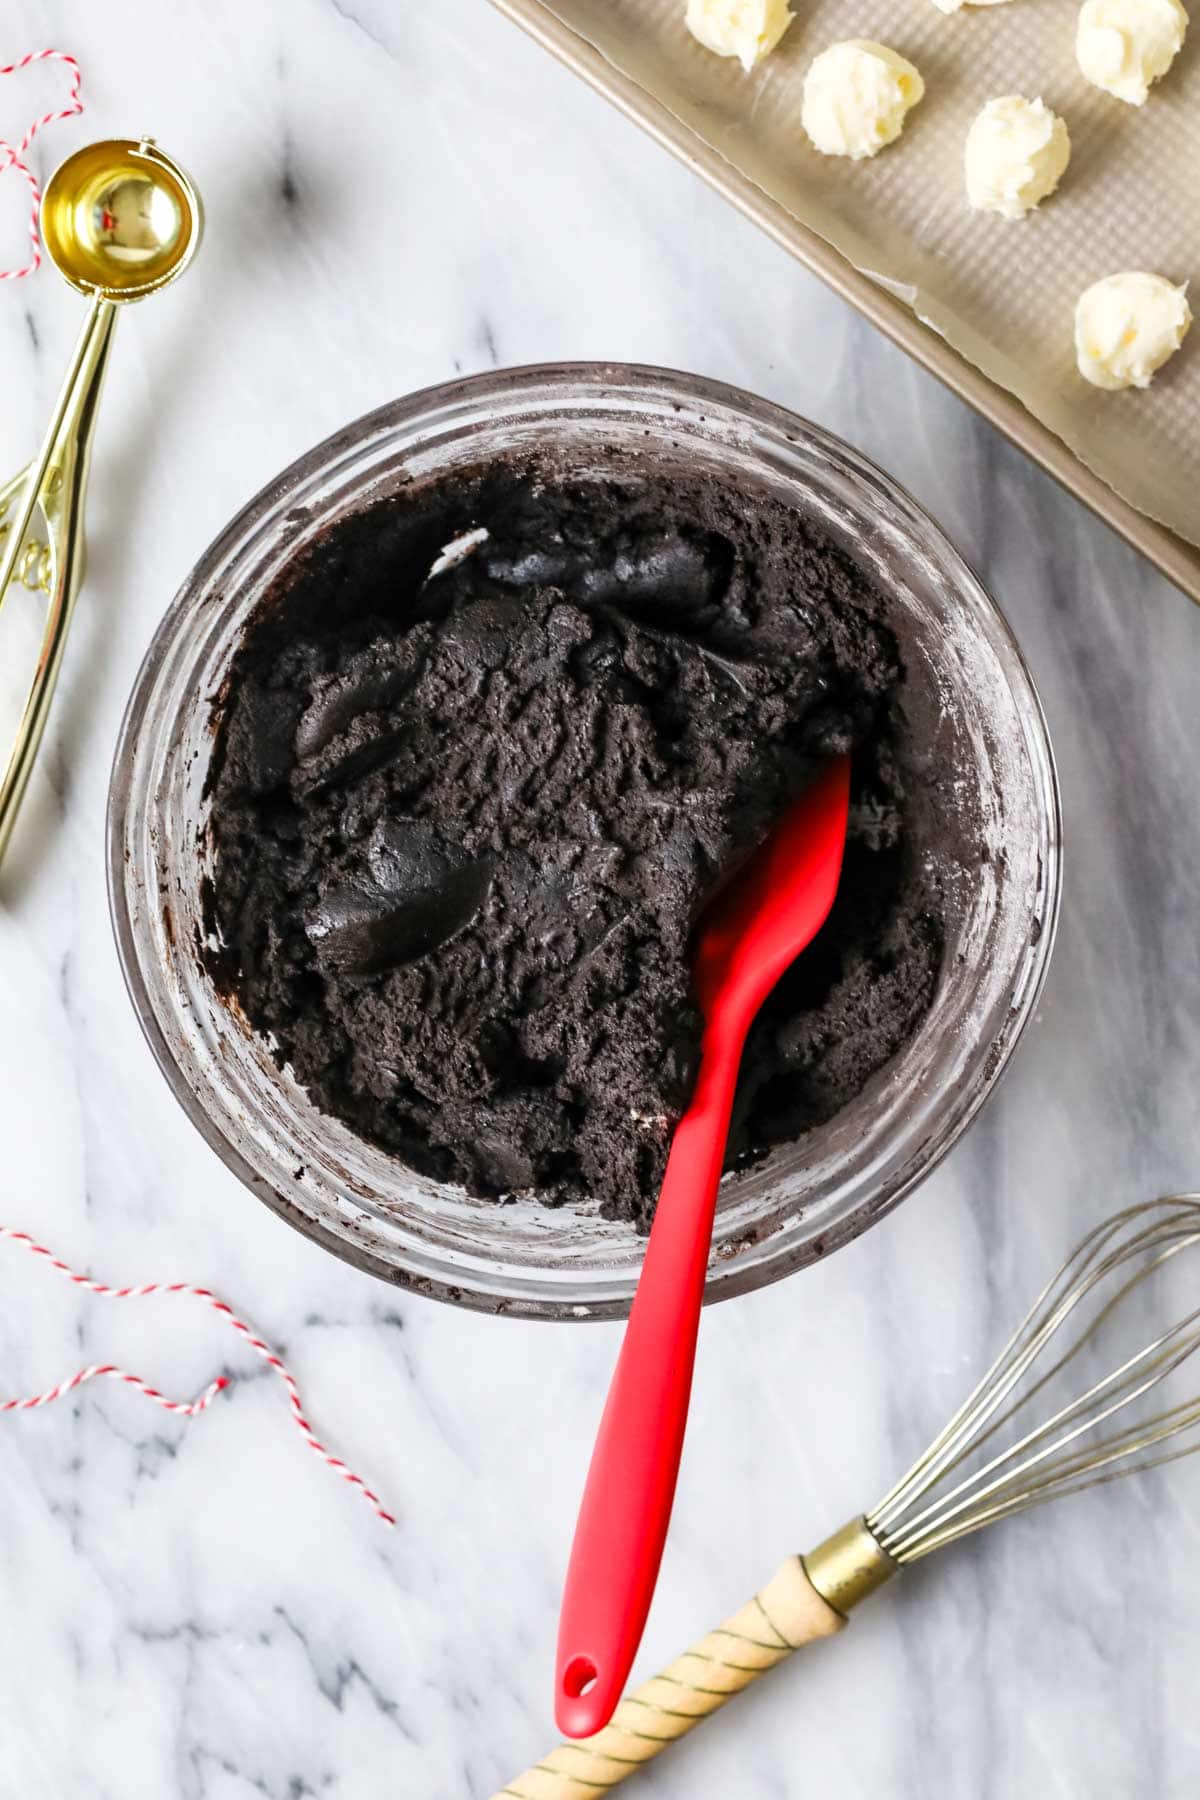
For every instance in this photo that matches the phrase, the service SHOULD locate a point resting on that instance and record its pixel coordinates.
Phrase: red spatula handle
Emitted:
(626, 1505)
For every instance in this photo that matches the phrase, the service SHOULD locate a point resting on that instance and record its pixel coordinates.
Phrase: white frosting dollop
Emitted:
(747, 29)
(857, 96)
(1123, 46)
(1016, 153)
(1126, 327)
(953, 6)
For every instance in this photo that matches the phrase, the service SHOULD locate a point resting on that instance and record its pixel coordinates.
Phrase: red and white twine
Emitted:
(12, 156)
(186, 1408)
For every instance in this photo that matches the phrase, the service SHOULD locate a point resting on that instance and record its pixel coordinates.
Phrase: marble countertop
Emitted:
(197, 1610)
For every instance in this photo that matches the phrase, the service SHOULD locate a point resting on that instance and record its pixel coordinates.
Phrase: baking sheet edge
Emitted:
(1177, 560)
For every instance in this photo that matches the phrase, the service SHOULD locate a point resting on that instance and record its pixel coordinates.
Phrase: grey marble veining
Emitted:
(397, 192)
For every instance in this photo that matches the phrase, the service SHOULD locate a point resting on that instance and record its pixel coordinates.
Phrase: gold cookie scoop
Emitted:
(119, 221)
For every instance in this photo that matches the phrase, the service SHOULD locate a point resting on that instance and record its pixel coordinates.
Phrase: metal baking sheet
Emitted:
(983, 304)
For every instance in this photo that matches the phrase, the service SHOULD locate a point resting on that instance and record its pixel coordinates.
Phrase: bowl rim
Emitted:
(393, 414)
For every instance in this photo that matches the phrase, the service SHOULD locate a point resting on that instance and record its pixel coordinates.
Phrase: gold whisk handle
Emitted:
(786, 1614)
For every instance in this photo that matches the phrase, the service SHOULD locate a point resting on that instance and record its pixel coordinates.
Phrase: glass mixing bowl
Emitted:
(807, 1198)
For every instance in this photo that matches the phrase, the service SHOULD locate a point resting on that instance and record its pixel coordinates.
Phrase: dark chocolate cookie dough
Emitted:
(466, 820)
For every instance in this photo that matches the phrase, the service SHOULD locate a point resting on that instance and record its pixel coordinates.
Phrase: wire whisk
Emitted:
(1052, 1459)
(992, 1460)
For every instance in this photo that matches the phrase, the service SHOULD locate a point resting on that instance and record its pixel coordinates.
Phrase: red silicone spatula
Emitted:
(750, 934)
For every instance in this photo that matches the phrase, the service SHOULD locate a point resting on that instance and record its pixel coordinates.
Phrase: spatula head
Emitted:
(776, 904)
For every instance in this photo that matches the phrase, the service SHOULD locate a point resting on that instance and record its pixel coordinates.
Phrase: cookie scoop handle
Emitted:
(630, 1487)
(784, 1615)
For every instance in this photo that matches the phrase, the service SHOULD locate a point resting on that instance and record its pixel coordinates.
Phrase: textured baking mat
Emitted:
(1001, 293)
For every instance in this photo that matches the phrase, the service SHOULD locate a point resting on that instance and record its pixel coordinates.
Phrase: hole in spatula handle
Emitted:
(579, 1677)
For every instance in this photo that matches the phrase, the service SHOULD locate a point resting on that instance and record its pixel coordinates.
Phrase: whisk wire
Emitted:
(976, 1489)
(1092, 1330)
(1122, 1386)
(1101, 1474)
(992, 1388)
(920, 1514)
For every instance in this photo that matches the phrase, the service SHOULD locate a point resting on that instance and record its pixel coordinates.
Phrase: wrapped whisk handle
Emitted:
(793, 1609)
